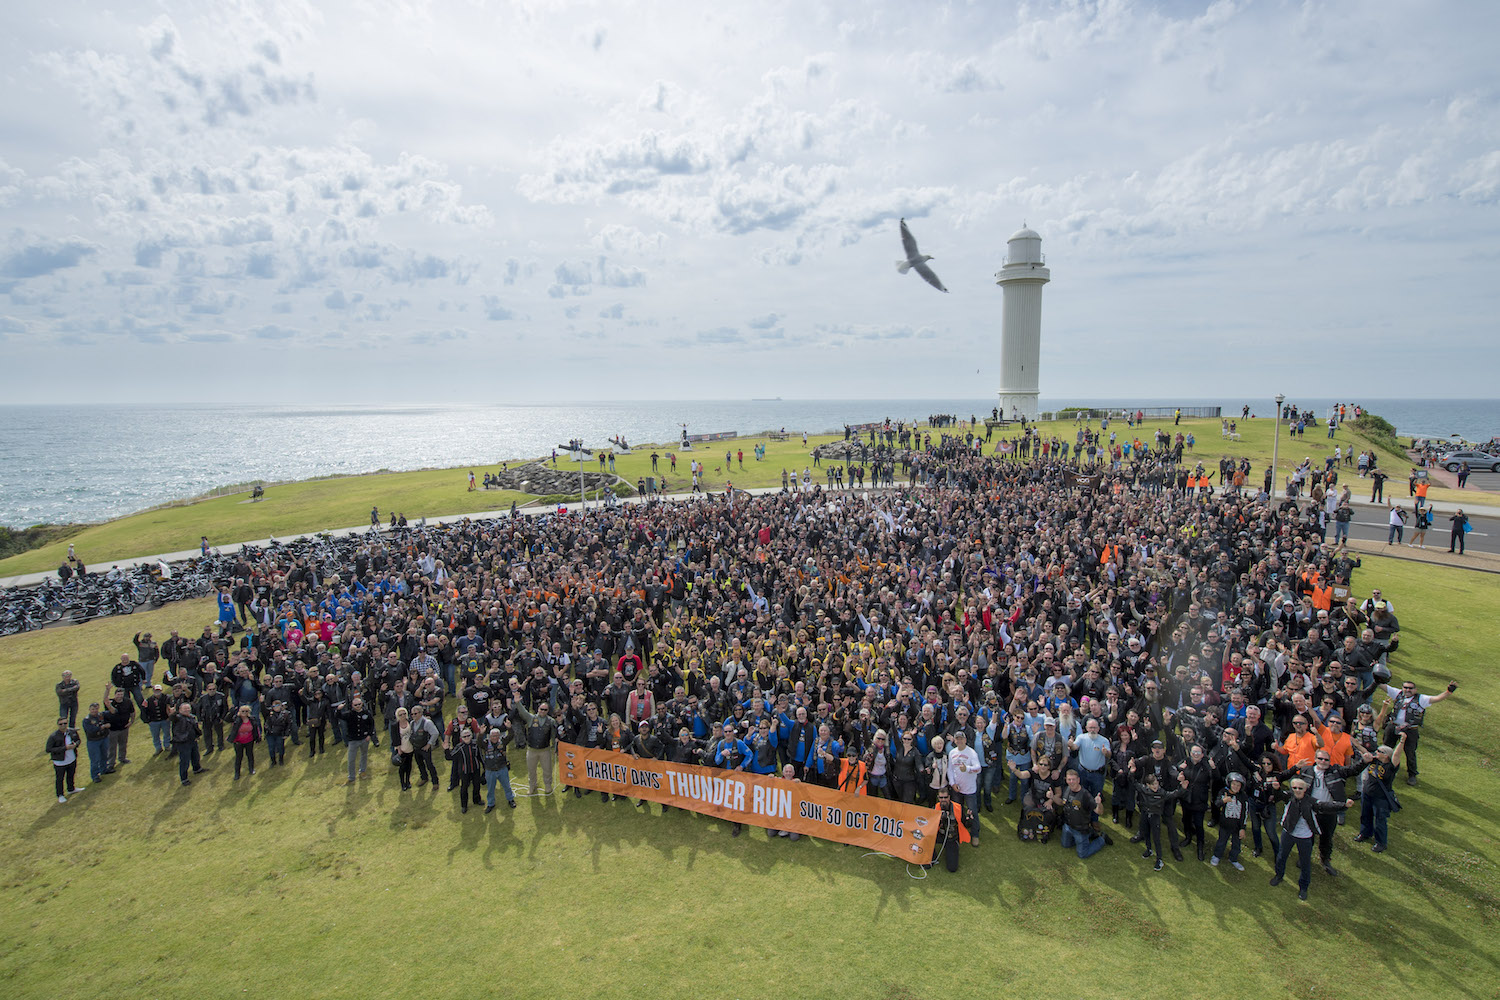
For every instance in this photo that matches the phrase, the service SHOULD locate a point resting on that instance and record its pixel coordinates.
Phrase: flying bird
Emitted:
(916, 260)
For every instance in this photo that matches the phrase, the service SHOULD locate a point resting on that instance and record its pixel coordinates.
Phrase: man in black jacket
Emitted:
(1325, 784)
(541, 732)
(119, 712)
(128, 676)
(212, 708)
(154, 715)
(67, 697)
(185, 733)
(468, 762)
(1301, 822)
(497, 768)
(359, 733)
(62, 747)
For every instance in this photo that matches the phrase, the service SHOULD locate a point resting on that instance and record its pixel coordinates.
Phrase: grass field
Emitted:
(289, 882)
(317, 505)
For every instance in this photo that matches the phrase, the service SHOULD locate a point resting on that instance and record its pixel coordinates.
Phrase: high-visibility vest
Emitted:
(963, 831)
(852, 776)
(1322, 598)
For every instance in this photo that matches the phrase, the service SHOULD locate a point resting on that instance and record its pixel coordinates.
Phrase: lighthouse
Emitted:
(1021, 278)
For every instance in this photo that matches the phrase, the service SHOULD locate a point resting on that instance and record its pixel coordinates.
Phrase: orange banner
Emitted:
(902, 831)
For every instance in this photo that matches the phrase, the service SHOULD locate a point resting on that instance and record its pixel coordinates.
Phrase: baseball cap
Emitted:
(1157, 743)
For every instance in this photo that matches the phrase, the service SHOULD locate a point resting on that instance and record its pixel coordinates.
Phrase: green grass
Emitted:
(316, 505)
(285, 510)
(141, 888)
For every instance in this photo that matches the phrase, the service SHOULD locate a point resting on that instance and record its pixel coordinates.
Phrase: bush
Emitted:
(15, 541)
(1379, 431)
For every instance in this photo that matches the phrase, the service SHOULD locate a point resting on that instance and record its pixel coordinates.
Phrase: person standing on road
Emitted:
(1396, 520)
(62, 747)
(1460, 522)
(1463, 475)
(1421, 520)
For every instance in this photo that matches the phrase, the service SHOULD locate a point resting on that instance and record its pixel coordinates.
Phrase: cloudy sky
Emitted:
(407, 201)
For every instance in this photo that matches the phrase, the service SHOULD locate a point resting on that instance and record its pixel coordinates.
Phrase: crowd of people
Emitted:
(1112, 649)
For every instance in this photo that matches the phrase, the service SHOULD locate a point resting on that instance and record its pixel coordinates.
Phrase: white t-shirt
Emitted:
(963, 770)
(1423, 701)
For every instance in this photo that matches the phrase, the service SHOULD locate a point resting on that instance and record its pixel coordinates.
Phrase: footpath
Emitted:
(1434, 553)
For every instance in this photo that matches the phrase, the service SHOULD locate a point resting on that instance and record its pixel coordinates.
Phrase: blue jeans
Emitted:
(1304, 846)
(276, 745)
(1395, 534)
(1373, 813)
(970, 802)
(987, 780)
(150, 667)
(187, 758)
(1083, 841)
(161, 735)
(97, 751)
(503, 777)
(1022, 761)
(1092, 780)
(1340, 531)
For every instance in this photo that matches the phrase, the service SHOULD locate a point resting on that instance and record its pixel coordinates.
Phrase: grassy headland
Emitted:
(316, 505)
(290, 872)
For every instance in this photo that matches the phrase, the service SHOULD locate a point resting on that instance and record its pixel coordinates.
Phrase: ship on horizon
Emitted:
(766, 399)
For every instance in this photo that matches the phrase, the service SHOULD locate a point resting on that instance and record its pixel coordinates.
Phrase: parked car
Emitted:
(1478, 461)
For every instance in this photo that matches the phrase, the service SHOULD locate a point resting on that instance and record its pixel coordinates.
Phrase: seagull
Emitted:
(916, 260)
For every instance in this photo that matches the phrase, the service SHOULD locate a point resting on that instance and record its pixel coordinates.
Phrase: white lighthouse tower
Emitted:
(1022, 278)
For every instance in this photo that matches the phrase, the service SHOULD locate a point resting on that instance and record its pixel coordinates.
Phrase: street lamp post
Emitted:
(583, 497)
(1276, 446)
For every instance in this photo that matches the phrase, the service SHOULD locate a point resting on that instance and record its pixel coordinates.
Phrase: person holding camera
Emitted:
(1408, 712)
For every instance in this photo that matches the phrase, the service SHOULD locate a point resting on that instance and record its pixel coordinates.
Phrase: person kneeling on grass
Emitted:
(1080, 813)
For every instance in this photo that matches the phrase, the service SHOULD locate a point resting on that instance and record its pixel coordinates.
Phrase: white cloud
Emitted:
(730, 184)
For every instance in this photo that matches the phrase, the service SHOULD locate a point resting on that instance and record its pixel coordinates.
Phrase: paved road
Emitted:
(1371, 524)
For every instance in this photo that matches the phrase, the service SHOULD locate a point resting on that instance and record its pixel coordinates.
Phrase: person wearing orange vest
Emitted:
(1302, 746)
(852, 772)
(952, 830)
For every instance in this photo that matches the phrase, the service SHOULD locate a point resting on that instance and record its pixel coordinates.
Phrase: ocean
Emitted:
(61, 463)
